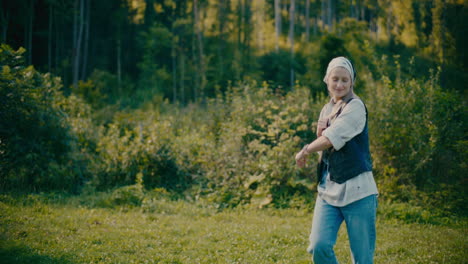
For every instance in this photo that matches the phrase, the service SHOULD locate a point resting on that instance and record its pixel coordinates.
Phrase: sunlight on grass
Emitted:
(182, 232)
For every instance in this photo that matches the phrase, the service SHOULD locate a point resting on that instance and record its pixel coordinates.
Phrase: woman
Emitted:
(346, 188)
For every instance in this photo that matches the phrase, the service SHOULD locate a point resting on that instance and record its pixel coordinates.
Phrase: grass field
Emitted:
(71, 231)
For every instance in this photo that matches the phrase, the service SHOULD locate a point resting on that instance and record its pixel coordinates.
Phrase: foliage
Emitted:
(155, 74)
(37, 146)
(331, 46)
(100, 89)
(235, 148)
(170, 48)
(128, 150)
(276, 67)
(249, 142)
(417, 131)
(131, 195)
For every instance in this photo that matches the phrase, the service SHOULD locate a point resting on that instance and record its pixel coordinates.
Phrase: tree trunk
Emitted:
(316, 20)
(196, 78)
(324, 14)
(119, 63)
(240, 41)
(57, 47)
(335, 18)
(200, 48)
(5, 19)
(86, 42)
(291, 25)
(247, 25)
(220, 46)
(260, 22)
(390, 25)
(29, 31)
(307, 18)
(329, 15)
(75, 28)
(76, 64)
(277, 23)
(363, 12)
(174, 67)
(182, 76)
(291, 39)
(49, 42)
(150, 13)
(443, 35)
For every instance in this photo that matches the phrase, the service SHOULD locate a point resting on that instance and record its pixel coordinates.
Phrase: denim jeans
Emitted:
(359, 216)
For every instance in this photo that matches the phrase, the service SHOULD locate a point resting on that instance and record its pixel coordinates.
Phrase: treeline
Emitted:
(211, 99)
(187, 50)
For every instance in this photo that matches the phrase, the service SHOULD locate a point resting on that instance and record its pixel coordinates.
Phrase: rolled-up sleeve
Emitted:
(347, 125)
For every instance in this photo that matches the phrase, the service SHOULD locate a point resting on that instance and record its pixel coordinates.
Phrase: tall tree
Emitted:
(201, 55)
(223, 11)
(50, 36)
(29, 29)
(87, 23)
(291, 38)
(150, 14)
(330, 14)
(260, 15)
(307, 18)
(277, 23)
(323, 11)
(174, 63)
(78, 33)
(4, 19)
(247, 37)
(182, 75)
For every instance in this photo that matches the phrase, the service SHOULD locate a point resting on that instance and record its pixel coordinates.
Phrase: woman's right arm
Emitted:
(317, 145)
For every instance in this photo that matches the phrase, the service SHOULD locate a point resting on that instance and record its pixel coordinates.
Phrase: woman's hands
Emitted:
(301, 157)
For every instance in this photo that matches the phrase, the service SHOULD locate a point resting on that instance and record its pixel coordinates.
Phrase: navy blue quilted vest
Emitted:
(351, 160)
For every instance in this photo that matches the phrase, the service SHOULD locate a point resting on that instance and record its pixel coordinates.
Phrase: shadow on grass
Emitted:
(21, 255)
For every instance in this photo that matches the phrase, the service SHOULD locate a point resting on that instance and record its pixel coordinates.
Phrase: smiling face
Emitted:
(339, 83)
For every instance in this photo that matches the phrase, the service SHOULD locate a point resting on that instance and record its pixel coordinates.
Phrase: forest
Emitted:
(210, 99)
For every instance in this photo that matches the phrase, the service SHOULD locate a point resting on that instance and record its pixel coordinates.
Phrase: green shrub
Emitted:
(416, 133)
(131, 195)
(36, 142)
(243, 149)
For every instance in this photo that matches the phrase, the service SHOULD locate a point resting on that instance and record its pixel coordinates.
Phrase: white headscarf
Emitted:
(340, 62)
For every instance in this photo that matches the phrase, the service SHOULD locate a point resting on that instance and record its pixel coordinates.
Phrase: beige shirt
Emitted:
(347, 125)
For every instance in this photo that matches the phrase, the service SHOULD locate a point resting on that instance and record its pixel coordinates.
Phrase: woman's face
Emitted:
(339, 83)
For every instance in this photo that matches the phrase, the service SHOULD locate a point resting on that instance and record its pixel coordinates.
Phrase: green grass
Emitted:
(162, 231)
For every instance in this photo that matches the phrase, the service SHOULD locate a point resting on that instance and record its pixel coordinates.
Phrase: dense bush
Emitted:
(246, 150)
(126, 149)
(238, 148)
(418, 140)
(37, 147)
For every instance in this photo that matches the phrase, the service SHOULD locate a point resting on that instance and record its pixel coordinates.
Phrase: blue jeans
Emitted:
(359, 216)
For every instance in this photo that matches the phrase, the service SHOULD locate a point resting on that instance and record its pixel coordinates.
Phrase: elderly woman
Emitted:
(346, 187)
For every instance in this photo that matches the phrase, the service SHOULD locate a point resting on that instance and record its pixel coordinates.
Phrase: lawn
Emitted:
(70, 231)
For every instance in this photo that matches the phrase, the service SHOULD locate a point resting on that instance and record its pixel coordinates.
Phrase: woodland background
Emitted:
(210, 100)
